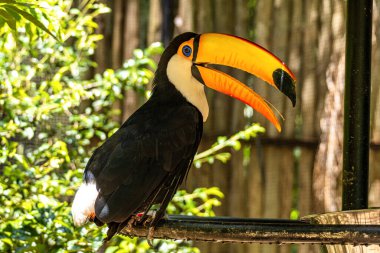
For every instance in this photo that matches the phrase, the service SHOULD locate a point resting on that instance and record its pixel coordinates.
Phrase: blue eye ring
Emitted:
(186, 50)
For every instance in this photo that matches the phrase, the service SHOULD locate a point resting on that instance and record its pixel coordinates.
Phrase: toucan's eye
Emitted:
(186, 50)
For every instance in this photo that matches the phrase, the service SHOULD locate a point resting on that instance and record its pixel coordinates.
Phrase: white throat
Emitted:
(179, 73)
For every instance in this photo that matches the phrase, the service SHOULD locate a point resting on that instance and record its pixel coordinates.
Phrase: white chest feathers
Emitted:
(179, 73)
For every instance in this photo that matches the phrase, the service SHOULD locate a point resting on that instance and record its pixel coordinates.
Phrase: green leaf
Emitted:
(7, 241)
(28, 133)
(154, 49)
(236, 145)
(2, 21)
(100, 134)
(8, 1)
(223, 157)
(221, 139)
(16, 3)
(294, 214)
(12, 12)
(29, 30)
(31, 18)
(8, 19)
(112, 249)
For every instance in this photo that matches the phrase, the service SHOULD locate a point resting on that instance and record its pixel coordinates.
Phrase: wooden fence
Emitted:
(299, 169)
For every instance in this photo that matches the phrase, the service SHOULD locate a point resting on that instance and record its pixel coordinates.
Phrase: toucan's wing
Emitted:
(147, 155)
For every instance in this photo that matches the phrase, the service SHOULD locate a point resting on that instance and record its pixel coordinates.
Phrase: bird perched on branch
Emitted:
(144, 162)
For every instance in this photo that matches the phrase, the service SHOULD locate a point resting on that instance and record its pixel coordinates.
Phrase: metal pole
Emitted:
(257, 231)
(357, 104)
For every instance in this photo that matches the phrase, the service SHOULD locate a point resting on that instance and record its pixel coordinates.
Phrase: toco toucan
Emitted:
(143, 163)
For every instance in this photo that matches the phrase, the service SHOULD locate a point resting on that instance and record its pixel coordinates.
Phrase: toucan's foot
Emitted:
(150, 217)
(150, 236)
(131, 222)
(145, 218)
(156, 219)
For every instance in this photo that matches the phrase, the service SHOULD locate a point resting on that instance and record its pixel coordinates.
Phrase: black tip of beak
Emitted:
(285, 84)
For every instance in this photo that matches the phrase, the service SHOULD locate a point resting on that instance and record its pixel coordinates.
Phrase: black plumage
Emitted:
(145, 161)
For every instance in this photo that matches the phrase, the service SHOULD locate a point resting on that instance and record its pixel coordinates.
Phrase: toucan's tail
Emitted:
(83, 208)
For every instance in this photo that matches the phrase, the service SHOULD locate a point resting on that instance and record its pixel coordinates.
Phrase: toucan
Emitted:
(144, 162)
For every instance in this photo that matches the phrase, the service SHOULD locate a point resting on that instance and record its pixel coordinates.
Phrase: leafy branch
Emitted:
(212, 154)
(11, 12)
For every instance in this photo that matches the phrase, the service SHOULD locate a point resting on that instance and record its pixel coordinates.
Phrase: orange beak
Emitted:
(232, 51)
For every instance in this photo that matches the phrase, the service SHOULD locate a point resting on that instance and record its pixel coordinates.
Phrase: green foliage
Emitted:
(51, 119)
(40, 95)
(201, 202)
(213, 153)
(125, 244)
(14, 13)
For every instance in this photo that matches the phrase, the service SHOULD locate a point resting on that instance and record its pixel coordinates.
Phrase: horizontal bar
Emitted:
(232, 220)
(225, 229)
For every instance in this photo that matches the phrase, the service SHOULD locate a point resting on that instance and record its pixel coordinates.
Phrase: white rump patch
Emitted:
(84, 203)
(179, 73)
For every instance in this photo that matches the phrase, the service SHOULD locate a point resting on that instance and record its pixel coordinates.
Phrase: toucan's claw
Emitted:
(150, 236)
(148, 222)
(131, 223)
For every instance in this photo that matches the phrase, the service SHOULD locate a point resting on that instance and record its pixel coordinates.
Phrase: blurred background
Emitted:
(60, 100)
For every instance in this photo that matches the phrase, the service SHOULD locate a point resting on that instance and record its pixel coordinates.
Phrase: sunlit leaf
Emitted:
(15, 15)
(9, 19)
(31, 18)
(15, 3)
